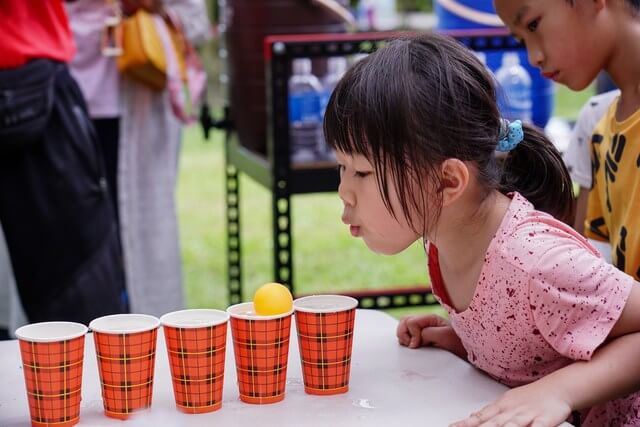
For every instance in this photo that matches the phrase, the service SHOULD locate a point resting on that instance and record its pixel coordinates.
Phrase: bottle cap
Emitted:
(302, 66)
(337, 65)
(510, 59)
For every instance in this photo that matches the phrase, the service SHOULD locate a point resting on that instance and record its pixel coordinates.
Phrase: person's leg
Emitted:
(57, 216)
(11, 313)
(108, 130)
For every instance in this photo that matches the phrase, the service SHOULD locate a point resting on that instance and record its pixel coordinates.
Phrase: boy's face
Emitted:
(364, 210)
(561, 37)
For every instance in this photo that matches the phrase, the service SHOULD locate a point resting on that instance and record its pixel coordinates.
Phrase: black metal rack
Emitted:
(275, 172)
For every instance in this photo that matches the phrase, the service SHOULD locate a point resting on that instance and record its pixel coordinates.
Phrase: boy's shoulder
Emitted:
(597, 107)
(603, 100)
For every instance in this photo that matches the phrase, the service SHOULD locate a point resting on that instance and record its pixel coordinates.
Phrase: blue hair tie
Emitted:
(511, 134)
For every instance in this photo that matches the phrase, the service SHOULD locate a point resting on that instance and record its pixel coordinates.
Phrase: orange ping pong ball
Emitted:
(271, 299)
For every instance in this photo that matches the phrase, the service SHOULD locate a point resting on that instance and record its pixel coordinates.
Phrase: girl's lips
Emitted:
(550, 76)
(355, 230)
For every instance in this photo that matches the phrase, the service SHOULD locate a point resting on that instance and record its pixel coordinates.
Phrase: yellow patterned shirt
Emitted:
(613, 212)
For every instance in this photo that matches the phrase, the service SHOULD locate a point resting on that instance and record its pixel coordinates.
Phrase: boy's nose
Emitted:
(535, 56)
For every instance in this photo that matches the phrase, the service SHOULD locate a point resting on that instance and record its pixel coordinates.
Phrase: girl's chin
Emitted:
(379, 249)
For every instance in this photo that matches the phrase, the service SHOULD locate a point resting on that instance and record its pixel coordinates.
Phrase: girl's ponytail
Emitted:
(535, 169)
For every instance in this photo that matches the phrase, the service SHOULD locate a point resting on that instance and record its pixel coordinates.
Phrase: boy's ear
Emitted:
(454, 180)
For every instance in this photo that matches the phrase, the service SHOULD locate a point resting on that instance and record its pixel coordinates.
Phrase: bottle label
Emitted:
(324, 100)
(304, 107)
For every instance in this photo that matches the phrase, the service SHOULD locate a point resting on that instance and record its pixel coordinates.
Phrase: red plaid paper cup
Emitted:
(325, 336)
(126, 352)
(52, 356)
(196, 343)
(261, 348)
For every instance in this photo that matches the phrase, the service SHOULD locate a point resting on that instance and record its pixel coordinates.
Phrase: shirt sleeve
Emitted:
(576, 298)
(577, 157)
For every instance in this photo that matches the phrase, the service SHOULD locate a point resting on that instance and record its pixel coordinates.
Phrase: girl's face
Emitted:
(562, 38)
(364, 209)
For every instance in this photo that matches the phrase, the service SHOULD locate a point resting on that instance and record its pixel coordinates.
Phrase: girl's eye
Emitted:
(532, 26)
(357, 174)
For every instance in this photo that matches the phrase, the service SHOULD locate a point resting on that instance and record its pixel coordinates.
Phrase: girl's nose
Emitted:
(347, 196)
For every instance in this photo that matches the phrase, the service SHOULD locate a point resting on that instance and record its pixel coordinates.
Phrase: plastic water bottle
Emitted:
(336, 67)
(514, 89)
(304, 112)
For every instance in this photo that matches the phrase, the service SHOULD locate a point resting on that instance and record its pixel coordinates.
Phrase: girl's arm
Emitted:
(612, 372)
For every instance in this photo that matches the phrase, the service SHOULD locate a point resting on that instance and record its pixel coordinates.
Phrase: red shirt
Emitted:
(31, 29)
(437, 284)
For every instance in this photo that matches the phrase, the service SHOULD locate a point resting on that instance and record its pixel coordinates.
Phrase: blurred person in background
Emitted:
(11, 314)
(55, 207)
(141, 135)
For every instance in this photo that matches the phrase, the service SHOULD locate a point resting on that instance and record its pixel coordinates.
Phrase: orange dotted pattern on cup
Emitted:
(261, 349)
(126, 364)
(53, 376)
(196, 359)
(325, 341)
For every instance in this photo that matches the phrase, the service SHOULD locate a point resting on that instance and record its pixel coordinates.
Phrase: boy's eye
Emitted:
(533, 25)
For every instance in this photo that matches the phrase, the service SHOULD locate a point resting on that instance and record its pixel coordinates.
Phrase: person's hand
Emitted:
(535, 405)
(426, 330)
(129, 7)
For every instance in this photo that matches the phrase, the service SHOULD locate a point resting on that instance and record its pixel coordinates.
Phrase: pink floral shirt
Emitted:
(545, 298)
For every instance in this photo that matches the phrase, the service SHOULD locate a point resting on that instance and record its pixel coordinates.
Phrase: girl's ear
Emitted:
(454, 180)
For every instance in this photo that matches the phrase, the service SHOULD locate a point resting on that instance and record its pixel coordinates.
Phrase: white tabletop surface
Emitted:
(390, 385)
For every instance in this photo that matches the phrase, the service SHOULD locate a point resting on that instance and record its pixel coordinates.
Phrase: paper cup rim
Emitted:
(231, 309)
(96, 325)
(22, 333)
(169, 319)
(352, 303)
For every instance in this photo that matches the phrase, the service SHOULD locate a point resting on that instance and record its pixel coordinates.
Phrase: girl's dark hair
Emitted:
(423, 99)
(634, 4)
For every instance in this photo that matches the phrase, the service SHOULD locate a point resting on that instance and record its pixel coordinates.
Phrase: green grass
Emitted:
(326, 257)
(568, 103)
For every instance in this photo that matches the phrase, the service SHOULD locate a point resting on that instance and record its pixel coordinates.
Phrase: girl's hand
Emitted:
(427, 330)
(534, 405)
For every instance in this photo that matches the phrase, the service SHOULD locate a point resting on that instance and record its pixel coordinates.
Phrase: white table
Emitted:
(390, 385)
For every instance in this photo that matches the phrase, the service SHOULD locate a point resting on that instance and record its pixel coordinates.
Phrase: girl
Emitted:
(415, 126)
